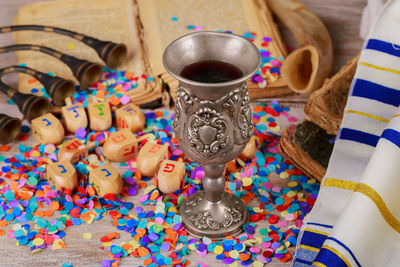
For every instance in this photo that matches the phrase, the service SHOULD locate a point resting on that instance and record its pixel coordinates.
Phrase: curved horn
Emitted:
(113, 54)
(30, 105)
(306, 68)
(57, 87)
(9, 128)
(85, 72)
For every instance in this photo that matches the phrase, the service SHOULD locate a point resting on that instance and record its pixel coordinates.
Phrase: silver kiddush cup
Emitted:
(213, 124)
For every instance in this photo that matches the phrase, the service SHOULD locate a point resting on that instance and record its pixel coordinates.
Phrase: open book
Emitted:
(146, 27)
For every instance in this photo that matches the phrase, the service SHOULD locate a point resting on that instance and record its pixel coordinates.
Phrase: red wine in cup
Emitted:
(211, 71)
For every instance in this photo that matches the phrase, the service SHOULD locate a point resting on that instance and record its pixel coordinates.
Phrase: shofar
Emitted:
(325, 106)
(308, 146)
(306, 68)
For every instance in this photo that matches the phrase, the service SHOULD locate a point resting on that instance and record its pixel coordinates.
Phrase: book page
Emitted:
(238, 16)
(103, 19)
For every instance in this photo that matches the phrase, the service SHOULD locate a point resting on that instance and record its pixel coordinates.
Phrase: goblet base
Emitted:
(215, 220)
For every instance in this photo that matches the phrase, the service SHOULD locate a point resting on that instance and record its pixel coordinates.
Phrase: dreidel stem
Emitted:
(90, 145)
(68, 101)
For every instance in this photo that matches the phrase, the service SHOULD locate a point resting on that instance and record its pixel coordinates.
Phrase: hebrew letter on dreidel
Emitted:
(99, 116)
(74, 150)
(47, 129)
(74, 116)
(170, 176)
(106, 180)
(119, 137)
(121, 146)
(150, 157)
(168, 167)
(62, 175)
(107, 173)
(63, 168)
(130, 116)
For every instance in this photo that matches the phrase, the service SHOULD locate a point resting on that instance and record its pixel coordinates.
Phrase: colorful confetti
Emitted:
(155, 224)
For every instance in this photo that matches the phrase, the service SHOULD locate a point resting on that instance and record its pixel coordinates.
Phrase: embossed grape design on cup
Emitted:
(213, 124)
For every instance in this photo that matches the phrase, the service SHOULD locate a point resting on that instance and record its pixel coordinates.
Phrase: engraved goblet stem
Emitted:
(214, 182)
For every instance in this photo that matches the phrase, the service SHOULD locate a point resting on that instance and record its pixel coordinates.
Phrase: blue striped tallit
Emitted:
(373, 99)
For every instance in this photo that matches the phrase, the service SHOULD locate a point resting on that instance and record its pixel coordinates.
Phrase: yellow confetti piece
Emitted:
(284, 213)
(35, 154)
(280, 248)
(234, 254)
(247, 181)
(71, 46)
(241, 162)
(276, 129)
(87, 236)
(258, 240)
(92, 217)
(248, 242)
(233, 264)
(58, 244)
(263, 119)
(218, 250)
(192, 247)
(197, 181)
(291, 194)
(292, 184)
(38, 242)
(36, 251)
(283, 175)
(149, 189)
(312, 181)
(134, 243)
(258, 210)
(107, 244)
(258, 264)
(173, 209)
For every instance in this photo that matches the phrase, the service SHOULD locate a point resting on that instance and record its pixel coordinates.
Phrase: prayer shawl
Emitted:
(356, 218)
(369, 15)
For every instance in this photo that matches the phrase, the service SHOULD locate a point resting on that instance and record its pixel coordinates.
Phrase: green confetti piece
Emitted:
(32, 180)
(181, 198)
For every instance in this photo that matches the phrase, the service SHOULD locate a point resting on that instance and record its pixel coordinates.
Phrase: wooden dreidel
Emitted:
(150, 156)
(170, 176)
(122, 145)
(47, 129)
(231, 166)
(99, 116)
(249, 151)
(74, 116)
(130, 116)
(105, 180)
(74, 150)
(62, 175)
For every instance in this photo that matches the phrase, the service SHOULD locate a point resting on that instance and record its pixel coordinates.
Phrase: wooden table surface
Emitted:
(342, 18)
